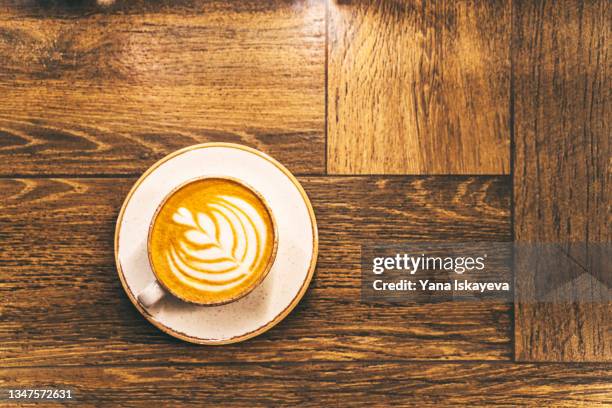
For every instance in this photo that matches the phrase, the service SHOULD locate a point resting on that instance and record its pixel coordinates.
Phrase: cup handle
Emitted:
(151, 294)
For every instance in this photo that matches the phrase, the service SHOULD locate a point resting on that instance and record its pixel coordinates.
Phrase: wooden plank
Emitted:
(418, 87)
(562, 82)
(316, 384)
(89, 90)
(63, 303)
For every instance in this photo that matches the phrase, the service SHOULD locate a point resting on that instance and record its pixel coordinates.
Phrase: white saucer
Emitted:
(286, 282)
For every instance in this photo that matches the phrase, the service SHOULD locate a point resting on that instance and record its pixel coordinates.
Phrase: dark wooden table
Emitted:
(404, 120)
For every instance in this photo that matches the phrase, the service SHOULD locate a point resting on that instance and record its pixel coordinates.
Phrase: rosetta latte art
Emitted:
(212, 241)
(220, 246)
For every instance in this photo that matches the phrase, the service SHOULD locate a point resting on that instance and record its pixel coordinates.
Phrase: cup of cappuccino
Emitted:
(212, 241)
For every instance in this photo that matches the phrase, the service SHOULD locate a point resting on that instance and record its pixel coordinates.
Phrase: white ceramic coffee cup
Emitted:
(156, 290)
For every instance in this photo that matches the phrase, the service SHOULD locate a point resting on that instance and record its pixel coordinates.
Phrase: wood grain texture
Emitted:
(562, 83)
(89, 90)
(319, 384)
(418, 87)
(63, 303)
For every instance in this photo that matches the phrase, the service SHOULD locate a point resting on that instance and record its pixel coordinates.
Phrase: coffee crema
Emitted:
(212, 241)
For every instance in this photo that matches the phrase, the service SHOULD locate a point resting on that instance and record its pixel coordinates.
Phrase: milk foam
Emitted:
(218, 250)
